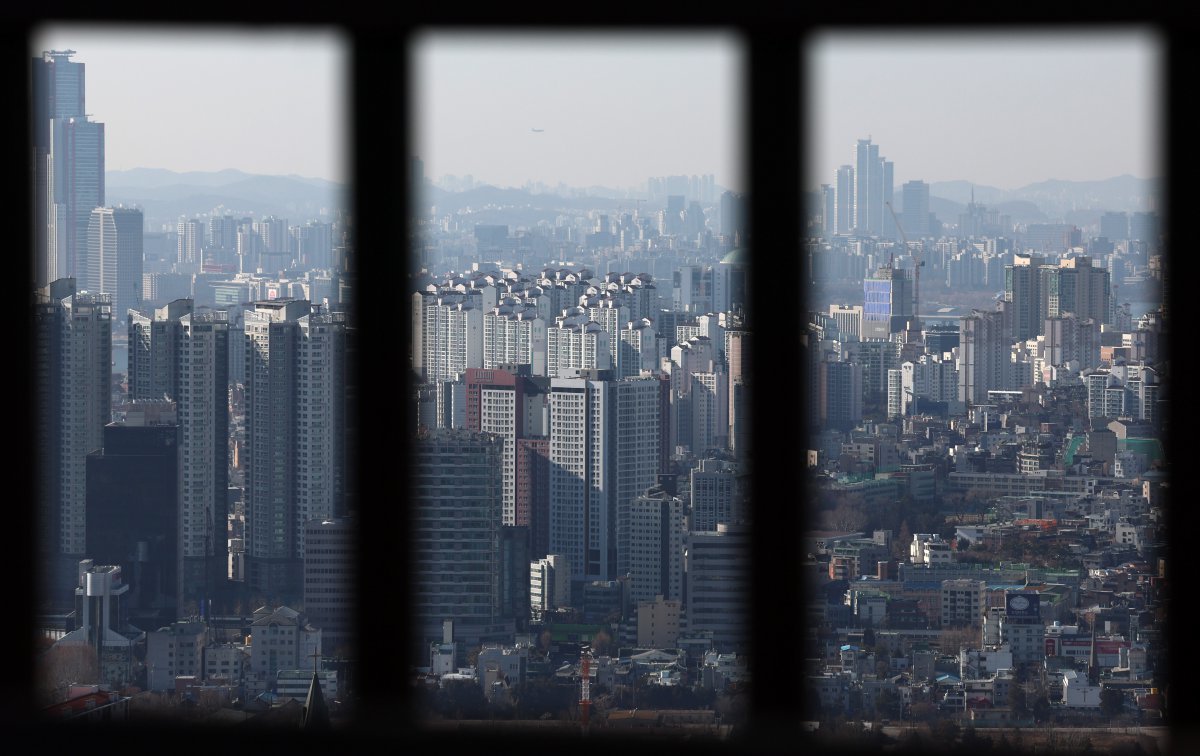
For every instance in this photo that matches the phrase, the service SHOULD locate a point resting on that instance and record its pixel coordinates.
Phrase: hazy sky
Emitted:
(212, 98)
(615, 109)
(1004, 111)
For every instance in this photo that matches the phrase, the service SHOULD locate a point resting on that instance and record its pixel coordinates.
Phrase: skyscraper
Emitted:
(656, 543)
(295, 435)
(456, 533)
(506, 402)
(604, 437)
(183, 355)
(189, 244)
(983, 362)
(72, 377)
(1022, 287)
(887, 225)
(57, 93)
(718, 585)
(844, 197)
(137, 526)
(114, 256)
(915, 218)
(75, 185)
(866, 157)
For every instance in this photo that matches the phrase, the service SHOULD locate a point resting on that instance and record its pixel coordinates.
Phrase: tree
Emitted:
(887, 704)
(1042, 708)
(64, 664)
(461, 699)
(902, 542)
(945, 731)
(601, 642)
(922, 711)
(541, 696)
(1018, 700)
(848, 514)
(1112, 702)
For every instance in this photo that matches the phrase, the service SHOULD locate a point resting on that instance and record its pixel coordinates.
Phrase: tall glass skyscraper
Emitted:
(58, 93)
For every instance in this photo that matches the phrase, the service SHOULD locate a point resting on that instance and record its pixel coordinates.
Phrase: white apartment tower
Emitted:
(514, 334)
(639, 348)
(572, 347)
(447, 334)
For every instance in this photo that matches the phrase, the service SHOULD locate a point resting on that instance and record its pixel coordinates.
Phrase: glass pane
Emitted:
(192, 266)
(988, 377)
(580, 510)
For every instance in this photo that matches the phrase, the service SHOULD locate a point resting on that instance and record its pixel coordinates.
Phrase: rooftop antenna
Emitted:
(585, 687)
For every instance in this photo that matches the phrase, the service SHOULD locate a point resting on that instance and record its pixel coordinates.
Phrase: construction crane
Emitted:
(917, 263)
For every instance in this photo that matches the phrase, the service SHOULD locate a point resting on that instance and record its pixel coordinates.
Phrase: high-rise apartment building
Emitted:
(840, 395)
(1022, 287)
(1078, 288)
(983, 362)
(447, 333)
(604, 443)
(295, 435)
(313, 245)
(114, 256)
(189, 244)
(574, 344)
(656, 536)
(276, 247)
(72, 378)
(508, 403)
(514, 334)
(182, 354)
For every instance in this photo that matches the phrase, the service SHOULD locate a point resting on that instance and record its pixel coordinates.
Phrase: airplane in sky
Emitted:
(537, 131)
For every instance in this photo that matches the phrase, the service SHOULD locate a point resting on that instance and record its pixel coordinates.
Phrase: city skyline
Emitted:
(288, 103)
(999, 109)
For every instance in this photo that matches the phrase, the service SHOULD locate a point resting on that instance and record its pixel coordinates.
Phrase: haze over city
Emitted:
(210, 98)
(584, 110)
(1003, 110)
(582, 474)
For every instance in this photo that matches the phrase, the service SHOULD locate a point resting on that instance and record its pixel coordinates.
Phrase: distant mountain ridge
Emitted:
(164, 195)
(1057, 198)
